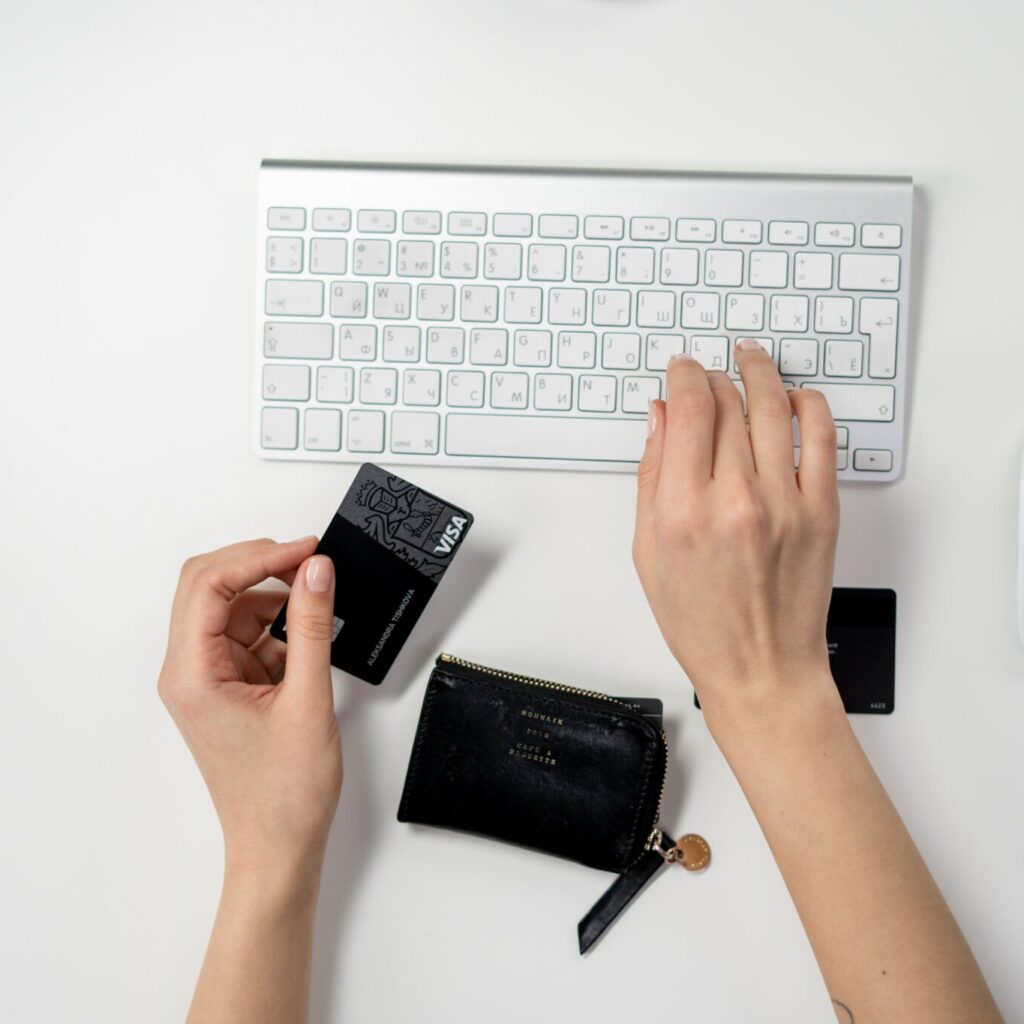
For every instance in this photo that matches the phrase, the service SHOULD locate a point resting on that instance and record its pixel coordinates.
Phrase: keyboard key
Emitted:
(695, 230)
(723, 268)
(650, 229)
(328, 255)
(466, 388)
(679, 266)
(334, 383)
(798, 357)
(552, 392)
(322, 430)
(348, 299)
(298, 341)
(878, 320)
(872, 460)
(596, 394)
(446, 345)
(401, 345)
(591, 263)
(868, 402)
(478, 303)
(509, 390)
(331, 219)
(787, 232)
(655, 309)
(284, 254)
(768, 269)
(371, 256)
(844, 358)
(789, 314)
(488, 346)
(467, 223)
(744, 312)
(392, 301)
(415, 433)
(767, 344)
(748, 231)
(376, 221)
(378, 386)
(812, 270)
(546, 263)
(435, 302)
(834, 315)
(523, 305)
(421, 387)
(365, 431)
(611, 308)
(661, 348)
(421, 222)
(294, 298)
(637, 393)
(357, 342)
(279, 428)
(459, 259)
(558, 225)
(513, 225)
(634, 265)
(415, 259)
(577, 350)
(880, 236)
(620, 351)
(862, 273)
(531, 348)
(711, 351)
(567, 306)
(503, 261)
(545, 437)
(700, 309)
(834, 234)
(603, 227)
(286, 218)
(285, 382)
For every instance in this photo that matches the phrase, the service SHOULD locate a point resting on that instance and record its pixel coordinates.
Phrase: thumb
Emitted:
(647, 475)
(310, 624)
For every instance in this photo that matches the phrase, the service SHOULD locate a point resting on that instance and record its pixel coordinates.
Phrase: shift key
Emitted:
(864, 402)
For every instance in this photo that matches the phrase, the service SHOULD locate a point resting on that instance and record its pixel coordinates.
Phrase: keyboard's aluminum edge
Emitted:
(612, 172)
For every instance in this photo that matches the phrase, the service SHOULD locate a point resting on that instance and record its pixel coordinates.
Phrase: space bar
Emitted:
(545, 437)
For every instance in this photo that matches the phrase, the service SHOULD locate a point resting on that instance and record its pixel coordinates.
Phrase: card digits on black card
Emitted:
(391, 543)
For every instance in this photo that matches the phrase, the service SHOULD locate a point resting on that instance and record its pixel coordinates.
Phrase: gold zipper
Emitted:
(593, 694)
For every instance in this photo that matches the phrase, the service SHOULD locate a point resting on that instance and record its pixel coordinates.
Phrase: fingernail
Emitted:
(652, 419)
(319, 574)
(679, 355)
(748, 344)
(302, 540)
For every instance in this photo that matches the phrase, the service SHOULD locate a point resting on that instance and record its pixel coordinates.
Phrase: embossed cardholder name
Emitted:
(391, 543)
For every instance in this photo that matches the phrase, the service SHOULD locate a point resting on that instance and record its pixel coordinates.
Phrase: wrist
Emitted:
(280, 873)
(774, 711)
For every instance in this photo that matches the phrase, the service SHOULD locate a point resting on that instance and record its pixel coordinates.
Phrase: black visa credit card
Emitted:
(861, 634)
(391, 543)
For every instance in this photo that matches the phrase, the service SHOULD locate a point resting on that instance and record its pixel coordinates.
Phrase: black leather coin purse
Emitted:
(558, 769)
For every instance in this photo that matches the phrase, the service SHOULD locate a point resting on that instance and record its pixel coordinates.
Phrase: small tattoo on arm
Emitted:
(848, 1018)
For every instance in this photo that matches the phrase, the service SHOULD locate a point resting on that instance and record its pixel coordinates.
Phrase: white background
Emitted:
(130, 136)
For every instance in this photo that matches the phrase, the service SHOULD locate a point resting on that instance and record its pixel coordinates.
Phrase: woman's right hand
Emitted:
(734, 549)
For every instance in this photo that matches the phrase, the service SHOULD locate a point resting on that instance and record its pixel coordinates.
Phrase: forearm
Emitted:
(887, 944)
(257, 964)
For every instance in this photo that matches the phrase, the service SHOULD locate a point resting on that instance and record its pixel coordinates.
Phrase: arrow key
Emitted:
(872, 460)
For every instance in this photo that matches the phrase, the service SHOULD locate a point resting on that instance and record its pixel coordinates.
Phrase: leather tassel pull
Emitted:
(618, 895)
(691, 852)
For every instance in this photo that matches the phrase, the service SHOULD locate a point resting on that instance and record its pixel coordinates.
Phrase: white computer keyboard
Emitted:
(472, 316)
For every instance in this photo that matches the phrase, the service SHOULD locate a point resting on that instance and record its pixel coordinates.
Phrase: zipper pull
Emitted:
(692, 852)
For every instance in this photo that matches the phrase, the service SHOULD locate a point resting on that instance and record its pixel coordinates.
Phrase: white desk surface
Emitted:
(131, 135)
